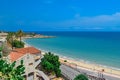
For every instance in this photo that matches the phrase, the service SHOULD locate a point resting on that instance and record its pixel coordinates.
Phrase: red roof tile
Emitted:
(30, 50)
(17, 53)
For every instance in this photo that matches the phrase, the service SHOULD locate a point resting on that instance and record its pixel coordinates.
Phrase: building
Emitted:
(31, 57)
(3, 36)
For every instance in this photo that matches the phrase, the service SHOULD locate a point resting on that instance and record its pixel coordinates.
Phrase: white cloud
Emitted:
(96, 22)
(100, 22)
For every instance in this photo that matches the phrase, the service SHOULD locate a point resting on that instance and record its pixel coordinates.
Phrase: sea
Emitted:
(101, 48)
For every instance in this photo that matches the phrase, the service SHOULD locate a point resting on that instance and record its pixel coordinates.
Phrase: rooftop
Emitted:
(30, 50)
(17, 53)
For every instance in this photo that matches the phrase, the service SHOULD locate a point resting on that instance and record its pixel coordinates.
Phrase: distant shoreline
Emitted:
(85, 65)
(38, 36)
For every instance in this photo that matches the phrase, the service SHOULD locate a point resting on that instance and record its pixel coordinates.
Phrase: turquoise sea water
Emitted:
(96, 47)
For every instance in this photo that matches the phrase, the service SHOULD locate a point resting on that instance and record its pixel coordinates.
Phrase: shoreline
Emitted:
(90, 67)
(85, 65)
(38, 36)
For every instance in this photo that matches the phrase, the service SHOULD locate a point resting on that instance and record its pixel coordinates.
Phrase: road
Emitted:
(70, 73)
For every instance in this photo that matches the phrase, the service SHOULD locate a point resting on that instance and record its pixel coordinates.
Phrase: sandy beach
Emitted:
(91, 67)
(86, 66)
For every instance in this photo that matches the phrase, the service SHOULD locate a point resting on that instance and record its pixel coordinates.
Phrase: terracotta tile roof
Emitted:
(17, 53)
(30, 50)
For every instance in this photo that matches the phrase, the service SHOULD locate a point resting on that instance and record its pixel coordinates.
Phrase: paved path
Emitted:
(41, 73)
(70, 73)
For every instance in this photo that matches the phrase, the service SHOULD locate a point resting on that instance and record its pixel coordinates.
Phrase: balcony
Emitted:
(37, 58)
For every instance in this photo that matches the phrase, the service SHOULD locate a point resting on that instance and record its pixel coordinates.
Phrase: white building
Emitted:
(31, 57)
(3, 36)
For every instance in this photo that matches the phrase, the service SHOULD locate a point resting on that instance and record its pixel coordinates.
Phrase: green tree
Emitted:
(8, 71)
(50, 63)
(19, 34)
(0, 48)
(10, 37)
(5, 49)
(17, 44)
(81, 77)
(0, 52)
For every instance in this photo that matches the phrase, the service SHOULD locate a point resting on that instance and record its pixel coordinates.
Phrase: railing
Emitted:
(37, 62)
(43, 75)
(91, 77)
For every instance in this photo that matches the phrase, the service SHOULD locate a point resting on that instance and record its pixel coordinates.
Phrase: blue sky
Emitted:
(60, 15)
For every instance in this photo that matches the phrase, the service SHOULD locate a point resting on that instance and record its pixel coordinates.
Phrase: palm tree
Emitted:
(19, 34)
(9, 38)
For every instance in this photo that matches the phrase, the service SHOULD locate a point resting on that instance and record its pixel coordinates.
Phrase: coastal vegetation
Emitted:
(0, 49)
(13, 41)
(17, 44)
(81, 77)
(10, 38)
(0, 52)
(65, 60)
(5, 49)
(50, 64)
(8, 71)
(19, 34)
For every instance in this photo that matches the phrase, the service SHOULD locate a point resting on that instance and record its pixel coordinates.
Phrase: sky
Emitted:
(60, 15)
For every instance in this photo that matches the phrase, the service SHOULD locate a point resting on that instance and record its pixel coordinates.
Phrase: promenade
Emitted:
(70, 73)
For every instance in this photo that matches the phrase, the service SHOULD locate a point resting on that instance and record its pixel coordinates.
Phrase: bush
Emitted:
(81, 77)
(50, 63)
(0, 49)
(8, 71)
(65, 60)
(58, 72)
(17, 44)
